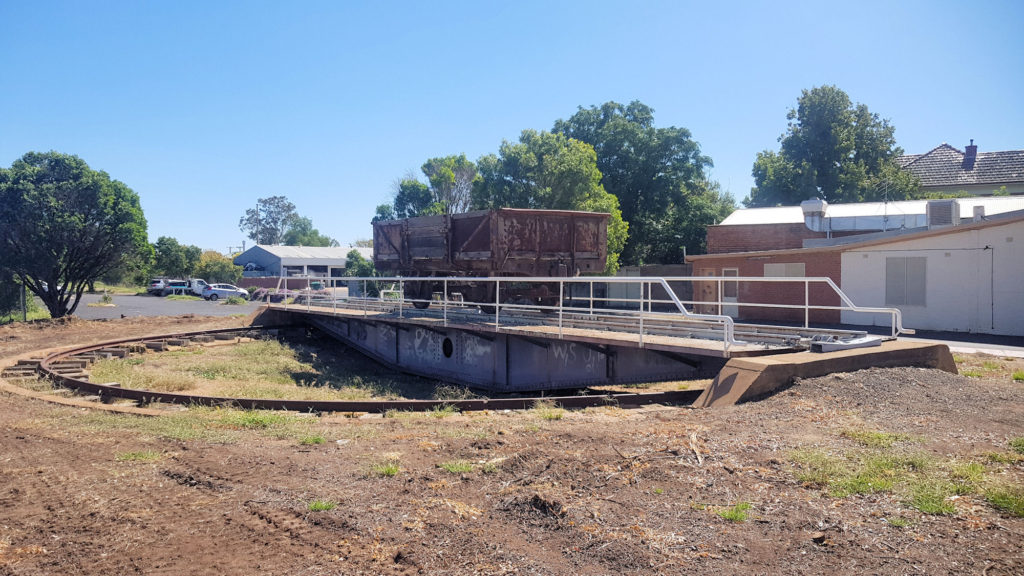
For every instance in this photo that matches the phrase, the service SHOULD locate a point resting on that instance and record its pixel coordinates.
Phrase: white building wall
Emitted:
(974, 281)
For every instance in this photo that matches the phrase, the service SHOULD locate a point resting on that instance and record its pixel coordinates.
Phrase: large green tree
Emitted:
(834, 150)
(549, 171)
(275, 221)
(448, 190)
(63, 224)
(302, 233)
(451, 182)
(268, 222)
(658, 175)
(173, 259)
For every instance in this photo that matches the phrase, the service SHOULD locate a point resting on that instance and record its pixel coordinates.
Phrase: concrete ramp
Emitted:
(743, 379)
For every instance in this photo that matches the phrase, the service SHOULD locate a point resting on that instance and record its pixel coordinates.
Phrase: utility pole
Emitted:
(257, 221)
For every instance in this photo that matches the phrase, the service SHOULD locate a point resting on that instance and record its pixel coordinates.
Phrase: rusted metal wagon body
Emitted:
(491, 243)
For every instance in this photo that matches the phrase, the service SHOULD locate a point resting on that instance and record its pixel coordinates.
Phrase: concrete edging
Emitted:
(743, 379)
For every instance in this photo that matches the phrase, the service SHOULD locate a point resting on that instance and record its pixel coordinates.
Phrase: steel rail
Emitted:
(106, 392)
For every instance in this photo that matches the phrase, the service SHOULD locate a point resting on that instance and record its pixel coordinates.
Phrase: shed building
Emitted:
(296, 261)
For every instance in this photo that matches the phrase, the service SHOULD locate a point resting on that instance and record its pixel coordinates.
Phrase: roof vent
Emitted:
(970, 155)
(943, 213)
(814, 213)
(979, 213)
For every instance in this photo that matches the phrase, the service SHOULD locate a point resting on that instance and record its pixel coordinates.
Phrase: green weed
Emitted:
(932, 497)
(874, 439)
(1009, 499)
(1018, 375)
(547, 410)
(443, 410)
(1003, 457)
(737, 513)
(321, 505)
(235, 300)
(386, 469)
(898, 522)
(1018, 445)
(456, 466)
(254, 419)
(967, 476)
(311, 440)
(972, 373)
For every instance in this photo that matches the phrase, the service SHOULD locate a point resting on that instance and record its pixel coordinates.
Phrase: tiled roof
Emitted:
(944, 166)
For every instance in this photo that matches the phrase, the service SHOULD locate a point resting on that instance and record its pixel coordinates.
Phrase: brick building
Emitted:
(932, 250)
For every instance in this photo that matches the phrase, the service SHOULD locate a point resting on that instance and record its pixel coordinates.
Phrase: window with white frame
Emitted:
(905, 280)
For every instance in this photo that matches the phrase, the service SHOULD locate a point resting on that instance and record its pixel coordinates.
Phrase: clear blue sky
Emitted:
(203, 107)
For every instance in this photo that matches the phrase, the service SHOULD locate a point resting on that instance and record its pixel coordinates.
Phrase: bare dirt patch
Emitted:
(661, 490)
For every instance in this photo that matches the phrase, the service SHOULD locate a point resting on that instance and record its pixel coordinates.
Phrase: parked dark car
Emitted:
(176, 287)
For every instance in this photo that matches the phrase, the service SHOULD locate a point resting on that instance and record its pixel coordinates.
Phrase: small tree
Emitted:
(63, 225)
(215, 267)
(359, 267)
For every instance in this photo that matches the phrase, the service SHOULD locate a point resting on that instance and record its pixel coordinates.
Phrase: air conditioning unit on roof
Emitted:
(943, 213)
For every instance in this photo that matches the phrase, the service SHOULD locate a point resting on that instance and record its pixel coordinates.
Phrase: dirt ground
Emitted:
(601, 491)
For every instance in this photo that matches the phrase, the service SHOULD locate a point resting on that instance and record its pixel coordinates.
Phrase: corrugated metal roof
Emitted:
(310, 252)
(795, 215)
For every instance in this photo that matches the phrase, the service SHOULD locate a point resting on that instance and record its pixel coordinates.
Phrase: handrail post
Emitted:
(719, 291)
(497, 306)
(401, 298)
(561, 292)
(807, 303)
(444, 300)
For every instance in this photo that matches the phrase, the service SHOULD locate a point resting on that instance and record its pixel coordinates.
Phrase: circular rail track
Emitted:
(60, 368)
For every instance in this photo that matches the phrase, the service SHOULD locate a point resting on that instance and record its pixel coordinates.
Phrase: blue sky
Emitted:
(203, 107)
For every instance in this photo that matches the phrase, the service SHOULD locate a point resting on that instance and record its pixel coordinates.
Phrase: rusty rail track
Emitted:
(48, 369)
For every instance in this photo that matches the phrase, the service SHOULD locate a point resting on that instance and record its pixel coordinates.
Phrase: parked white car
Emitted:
(217, 291)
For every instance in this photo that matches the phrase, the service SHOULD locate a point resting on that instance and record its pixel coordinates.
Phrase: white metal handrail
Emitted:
(392, 297)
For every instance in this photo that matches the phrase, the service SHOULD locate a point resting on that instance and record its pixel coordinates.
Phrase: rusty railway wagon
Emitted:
(491, 243)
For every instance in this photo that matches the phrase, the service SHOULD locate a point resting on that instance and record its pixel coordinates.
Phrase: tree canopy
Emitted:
(275, 221)
(173, 259)
(268, 222)
(302, 233)
(657, 174)
(448, 190)
(832, 149)
(215, 267)
(549, 171)
(63, 224)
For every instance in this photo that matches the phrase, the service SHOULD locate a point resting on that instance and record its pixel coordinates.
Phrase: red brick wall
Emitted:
(754, 237)
(815, 264)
